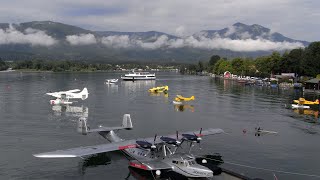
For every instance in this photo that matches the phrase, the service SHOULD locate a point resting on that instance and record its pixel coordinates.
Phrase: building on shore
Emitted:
(313, 84)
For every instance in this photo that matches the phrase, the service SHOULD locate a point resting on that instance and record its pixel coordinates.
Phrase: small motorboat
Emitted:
(159, 89)
(304, 101)
(111, 81)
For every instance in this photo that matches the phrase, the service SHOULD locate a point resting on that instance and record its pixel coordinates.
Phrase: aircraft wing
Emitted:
(54, 94)
(72, 91)
(88, 150)
(205, 132)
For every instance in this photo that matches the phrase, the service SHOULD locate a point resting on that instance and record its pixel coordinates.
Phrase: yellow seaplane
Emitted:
(159, 89)
(180, 99)
(306, 102)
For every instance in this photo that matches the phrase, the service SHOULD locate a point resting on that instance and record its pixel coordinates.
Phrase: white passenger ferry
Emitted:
(133, 76)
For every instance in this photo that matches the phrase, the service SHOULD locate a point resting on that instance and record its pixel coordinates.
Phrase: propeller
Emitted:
(153, 146)
(193, 138)
(199, 136)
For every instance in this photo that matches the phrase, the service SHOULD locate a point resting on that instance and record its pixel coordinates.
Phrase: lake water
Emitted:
(29, 124)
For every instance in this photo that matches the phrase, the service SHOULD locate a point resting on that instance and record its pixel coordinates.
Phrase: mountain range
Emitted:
(55, 41)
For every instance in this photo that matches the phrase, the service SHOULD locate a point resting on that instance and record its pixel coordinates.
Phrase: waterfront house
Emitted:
(313, 84)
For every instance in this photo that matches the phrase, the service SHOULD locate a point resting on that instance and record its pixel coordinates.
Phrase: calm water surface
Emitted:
(29, 124)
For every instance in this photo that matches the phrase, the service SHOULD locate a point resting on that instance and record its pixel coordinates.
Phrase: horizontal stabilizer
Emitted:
(84, 129)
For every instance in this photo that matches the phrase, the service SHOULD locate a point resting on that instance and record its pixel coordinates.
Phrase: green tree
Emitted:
(3, 65)
(311, 60)
(213, 60)
(237, 66)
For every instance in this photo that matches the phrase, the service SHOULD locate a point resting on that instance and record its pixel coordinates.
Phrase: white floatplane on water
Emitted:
(111, 81)
(63, 97)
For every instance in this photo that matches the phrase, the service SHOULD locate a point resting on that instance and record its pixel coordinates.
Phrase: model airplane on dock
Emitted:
(63, 97)
(158, 154)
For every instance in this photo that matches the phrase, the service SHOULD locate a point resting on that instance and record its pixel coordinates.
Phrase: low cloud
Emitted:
(82, 39)
(30, 36)
(180, 31)
(201, 42)
(122, 41)
(231, 30)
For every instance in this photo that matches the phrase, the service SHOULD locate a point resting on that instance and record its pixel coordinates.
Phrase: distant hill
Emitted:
(243, 31)
(56, 41)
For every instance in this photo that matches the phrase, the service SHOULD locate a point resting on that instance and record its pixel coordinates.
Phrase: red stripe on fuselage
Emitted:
(127, 146)
(139, 166)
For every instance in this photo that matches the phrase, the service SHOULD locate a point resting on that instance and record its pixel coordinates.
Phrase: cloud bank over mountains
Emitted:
(82, 39)
(246, 43)
(30, 36)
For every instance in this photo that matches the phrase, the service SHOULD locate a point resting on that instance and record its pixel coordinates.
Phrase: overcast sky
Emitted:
(297, 19)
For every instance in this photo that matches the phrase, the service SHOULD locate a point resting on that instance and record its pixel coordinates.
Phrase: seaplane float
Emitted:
(63, 97)
(111, 81)
(180, 99)
(159, 89)
(158, 155)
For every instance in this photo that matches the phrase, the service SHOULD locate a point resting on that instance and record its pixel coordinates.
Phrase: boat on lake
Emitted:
(133, 76)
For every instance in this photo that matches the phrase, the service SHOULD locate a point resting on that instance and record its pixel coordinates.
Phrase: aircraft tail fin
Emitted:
(84, 93)
(82, 126)
(126, 122)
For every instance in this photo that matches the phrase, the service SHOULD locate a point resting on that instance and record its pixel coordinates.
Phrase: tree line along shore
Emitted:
(302, 62)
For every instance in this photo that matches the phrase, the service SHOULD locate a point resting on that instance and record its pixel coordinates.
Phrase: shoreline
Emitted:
(98, 71)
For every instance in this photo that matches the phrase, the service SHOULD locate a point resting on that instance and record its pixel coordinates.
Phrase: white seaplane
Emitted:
(111, 81)
(158, 155)
(63, 97)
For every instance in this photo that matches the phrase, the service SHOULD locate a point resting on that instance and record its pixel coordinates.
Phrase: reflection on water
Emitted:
(94, 161)
(70, 111)
(183, 107)
(137, 85)
(159, 94)
(307, 112)
(312, 116)
(113, 88)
